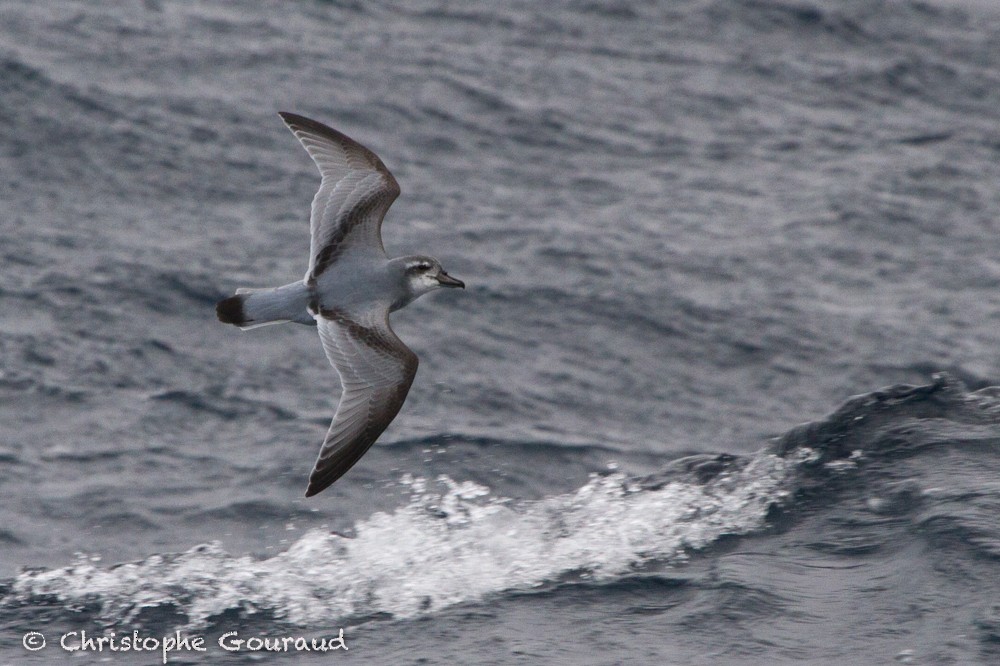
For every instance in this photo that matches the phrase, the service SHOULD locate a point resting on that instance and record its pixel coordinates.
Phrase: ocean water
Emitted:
(687, 227)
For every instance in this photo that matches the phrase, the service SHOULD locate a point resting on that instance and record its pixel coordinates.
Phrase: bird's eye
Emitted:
(420, 267)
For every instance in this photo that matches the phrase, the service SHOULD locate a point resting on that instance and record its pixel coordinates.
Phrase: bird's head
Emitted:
(423, 274)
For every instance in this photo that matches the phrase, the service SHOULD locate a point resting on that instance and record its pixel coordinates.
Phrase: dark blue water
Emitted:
(686, 227)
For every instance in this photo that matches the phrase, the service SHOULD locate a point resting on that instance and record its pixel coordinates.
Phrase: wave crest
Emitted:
(451, 543)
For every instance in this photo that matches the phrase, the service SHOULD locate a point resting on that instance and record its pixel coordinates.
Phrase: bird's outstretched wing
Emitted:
(376, 370)
(354, 194)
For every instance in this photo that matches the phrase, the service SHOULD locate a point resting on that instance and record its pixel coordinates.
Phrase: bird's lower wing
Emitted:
(376, 370)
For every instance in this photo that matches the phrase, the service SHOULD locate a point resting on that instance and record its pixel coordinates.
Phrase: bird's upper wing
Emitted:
(376, 370)
(354, 194)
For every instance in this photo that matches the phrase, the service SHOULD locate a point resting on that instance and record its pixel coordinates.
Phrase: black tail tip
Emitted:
(230, 311)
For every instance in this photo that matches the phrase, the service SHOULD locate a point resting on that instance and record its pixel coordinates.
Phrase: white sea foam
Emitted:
(453, 542)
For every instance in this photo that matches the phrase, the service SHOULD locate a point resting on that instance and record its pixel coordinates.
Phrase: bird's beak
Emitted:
(448, 281)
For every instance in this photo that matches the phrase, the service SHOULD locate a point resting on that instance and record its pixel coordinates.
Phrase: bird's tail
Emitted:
(251, 308)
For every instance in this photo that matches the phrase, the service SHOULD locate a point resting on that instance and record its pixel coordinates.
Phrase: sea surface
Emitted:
(687, 228)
